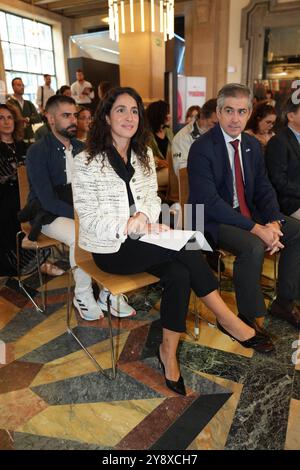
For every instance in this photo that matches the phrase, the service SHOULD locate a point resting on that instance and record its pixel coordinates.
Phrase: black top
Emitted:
(11, 155)
(162, 145)
(125, 172)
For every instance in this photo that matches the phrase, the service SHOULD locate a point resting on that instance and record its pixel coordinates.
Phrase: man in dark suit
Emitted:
(26, 108)
(283, 162)
(241, 213)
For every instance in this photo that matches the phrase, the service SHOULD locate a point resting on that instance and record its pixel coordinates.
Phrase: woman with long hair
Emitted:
(160, 142)
(12, 154)
(261, 123)
(84, 119)
(115, 196)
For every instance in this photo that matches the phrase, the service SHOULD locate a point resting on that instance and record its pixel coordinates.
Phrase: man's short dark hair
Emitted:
(209, 108)
(79, 70)
(54, 101)
(290, 107)
(14, 79)
(46, 75)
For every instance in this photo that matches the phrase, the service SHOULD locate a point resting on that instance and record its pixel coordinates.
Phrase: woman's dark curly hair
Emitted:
(100, 139)
(18, 132)
(156, 114)
(260, 111)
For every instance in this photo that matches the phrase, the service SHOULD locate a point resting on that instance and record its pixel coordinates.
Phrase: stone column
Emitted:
(142, 55)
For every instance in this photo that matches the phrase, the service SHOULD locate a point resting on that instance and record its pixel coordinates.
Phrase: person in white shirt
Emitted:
(44, 92)
(82, 91)
(188, 134)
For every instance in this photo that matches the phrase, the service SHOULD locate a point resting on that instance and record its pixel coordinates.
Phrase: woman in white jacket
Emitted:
(115, 196)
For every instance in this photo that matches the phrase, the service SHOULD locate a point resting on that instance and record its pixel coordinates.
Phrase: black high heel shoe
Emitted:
(259, 342)
(178, 386)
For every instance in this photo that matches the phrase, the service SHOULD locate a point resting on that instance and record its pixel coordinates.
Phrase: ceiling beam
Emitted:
(84, 8)
(88, 13)
(65, 5)
(43, 2)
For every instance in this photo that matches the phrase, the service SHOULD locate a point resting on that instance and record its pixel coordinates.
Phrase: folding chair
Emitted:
(116, 284)
(42, 242)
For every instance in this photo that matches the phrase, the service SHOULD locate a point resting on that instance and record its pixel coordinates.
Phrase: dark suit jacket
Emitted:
(283, 165)
(29, 110)
(211, 183)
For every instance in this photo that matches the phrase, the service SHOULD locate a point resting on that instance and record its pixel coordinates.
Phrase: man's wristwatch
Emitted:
(280, 222)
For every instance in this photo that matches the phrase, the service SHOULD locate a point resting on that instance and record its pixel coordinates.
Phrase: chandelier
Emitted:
(122, 13)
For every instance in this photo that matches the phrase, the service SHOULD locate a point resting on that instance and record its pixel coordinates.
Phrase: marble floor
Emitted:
(52, 398)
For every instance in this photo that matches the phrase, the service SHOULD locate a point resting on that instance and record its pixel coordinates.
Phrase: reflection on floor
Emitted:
(52, 398)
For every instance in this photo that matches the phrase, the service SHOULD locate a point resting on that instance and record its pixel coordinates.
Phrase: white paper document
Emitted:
(177, 239)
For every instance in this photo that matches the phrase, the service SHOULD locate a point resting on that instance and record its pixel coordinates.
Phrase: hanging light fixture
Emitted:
(121, 15)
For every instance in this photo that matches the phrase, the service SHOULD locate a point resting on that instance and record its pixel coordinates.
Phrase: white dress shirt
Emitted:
(48, 92)
(230, 151)
(69, 163)
(77, 89)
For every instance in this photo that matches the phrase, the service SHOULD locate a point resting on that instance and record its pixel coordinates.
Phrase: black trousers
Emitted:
(179, 271)
(249, 251)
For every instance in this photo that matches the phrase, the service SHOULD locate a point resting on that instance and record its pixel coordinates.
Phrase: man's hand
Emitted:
(270, 234)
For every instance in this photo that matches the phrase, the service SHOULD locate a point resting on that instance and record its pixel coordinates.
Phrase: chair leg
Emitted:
(196, 319)
(42, 288)
(71, 332)
(195, 335)
(219, 274)
(20, 282)
(275, 276)
(112, 349)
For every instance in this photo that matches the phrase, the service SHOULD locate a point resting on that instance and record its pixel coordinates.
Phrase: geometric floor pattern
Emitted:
(52, 398)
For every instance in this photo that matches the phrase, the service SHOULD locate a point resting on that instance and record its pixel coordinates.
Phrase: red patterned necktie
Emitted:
(239, 183)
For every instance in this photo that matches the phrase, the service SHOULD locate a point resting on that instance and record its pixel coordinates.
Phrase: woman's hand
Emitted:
(137, 224)
(160, 164)
(157, 228)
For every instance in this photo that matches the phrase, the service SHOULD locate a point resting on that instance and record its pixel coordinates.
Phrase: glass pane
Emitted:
(47, 62)
(6, 55)
(45, 36)
(31, 32)
(15, 29)
(9, 77)
(30, 82)
(18, 56)
(33, 60)
(3, 29)
(53, 83)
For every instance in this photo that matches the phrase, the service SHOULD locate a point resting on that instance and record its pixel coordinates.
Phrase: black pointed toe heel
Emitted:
(176, 386)
(259, 342)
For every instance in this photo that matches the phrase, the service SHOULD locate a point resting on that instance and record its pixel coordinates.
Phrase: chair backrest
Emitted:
(183, 188)
(173, 191)
(23, 185)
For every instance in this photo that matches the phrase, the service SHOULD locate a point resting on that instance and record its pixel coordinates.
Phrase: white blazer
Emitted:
(101, 201)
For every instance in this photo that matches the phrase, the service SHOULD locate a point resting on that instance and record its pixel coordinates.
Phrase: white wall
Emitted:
(234, 49)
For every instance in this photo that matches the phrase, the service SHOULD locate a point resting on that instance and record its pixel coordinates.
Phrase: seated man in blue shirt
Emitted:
(49, 165)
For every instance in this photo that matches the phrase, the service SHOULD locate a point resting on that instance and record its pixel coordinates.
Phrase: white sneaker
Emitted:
(87, 306)
(119, 306)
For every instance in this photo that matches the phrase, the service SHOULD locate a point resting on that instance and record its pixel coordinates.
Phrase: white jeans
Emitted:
(63, 229)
